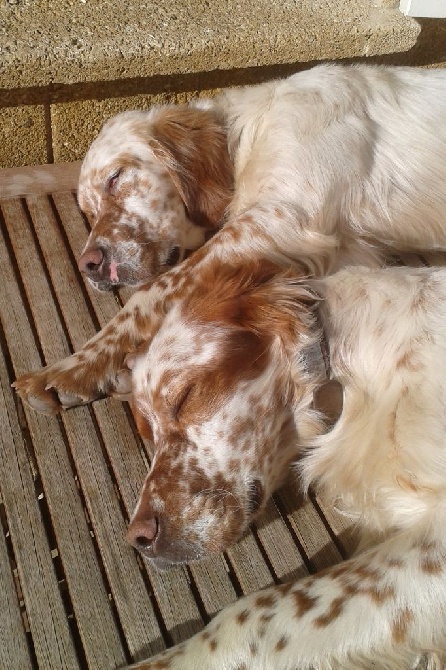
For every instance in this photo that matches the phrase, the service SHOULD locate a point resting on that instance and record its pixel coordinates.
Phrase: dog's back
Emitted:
(361, 149)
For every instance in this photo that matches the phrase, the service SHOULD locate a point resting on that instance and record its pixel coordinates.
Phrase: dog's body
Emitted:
(383, 462)
(346, 163)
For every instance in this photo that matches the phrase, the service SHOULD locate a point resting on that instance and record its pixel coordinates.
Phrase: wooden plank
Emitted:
(14, 652)
(341, 526)
(248, 565)
(38, 179)
(279, 545)
(212, 580)
(128, 588)
(97, 627)
(52, 640)
(215, 588)
(308, 527)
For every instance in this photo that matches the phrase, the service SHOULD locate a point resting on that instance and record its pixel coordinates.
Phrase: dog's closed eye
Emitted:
(112, 180)
(180, 403)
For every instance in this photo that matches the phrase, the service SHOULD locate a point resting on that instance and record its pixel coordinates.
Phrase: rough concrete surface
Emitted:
(22, 136)
(67, 41)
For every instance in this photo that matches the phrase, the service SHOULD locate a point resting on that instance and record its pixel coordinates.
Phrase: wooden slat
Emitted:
(279, 546)
(39, 179)
(310, 531)
(98, 630)
(128, 588)
(14, 652)
(248, 564)
(46, 615)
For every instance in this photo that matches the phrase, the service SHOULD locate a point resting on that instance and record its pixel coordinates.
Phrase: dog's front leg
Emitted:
(99, 368)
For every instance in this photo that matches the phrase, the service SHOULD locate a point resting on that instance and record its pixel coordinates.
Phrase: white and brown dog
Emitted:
(349, 163)
(232, 388)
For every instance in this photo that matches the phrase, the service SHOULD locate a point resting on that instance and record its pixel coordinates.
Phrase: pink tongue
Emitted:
(114, 271)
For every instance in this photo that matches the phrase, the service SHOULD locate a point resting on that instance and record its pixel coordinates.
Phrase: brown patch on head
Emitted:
(259, 297)
(192, 146)
(400, 625)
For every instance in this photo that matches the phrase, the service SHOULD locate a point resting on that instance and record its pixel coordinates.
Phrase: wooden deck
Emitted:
(73, 593)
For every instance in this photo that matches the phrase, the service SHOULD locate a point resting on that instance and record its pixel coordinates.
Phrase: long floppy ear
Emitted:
(192, 145)
(259, 296)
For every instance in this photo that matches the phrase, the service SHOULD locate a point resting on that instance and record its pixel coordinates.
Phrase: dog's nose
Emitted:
(142, 533)
(90, 261)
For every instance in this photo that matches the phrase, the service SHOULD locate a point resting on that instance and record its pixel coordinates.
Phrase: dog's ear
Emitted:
(193, 147)
(257, 296)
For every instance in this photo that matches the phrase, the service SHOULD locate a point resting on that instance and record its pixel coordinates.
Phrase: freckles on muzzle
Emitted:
(126, 264)
(188, 526)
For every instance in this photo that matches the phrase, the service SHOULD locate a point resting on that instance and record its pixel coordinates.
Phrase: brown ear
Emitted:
(259, 296)
(193, 147)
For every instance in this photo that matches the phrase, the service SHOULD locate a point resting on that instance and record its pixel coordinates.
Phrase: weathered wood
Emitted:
(310, 531)
(14, 652)
(52, 640)
(98, 630)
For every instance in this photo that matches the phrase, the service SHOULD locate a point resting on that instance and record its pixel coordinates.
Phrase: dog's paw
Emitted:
(44, 392)
(70, 383)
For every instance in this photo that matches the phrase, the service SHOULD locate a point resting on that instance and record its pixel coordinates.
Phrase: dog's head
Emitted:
(150, 185)
(216, 392)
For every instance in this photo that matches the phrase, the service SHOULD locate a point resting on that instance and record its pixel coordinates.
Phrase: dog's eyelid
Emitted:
(113, 178)
(181, 399)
